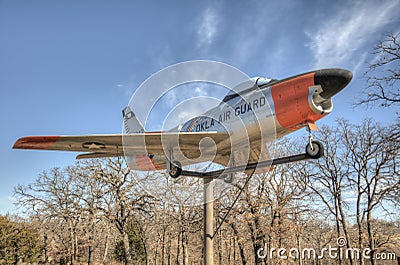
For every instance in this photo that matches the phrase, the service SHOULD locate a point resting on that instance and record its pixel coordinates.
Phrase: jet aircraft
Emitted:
(233, 134)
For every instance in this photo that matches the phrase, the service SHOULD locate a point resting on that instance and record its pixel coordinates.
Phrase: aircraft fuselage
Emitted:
(280, 107)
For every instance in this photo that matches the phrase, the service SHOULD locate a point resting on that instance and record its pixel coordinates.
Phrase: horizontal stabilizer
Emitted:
(98, 155)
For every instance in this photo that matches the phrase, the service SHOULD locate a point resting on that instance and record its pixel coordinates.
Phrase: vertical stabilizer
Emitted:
(131, 123)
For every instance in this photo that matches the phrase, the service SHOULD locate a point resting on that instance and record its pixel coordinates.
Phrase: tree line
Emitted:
(95, 212)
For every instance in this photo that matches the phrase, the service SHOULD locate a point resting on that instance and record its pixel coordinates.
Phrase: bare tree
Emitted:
(265, 214)
(54, 197)
(373, 157)
(329, 180)
(383, 73)
(121, 198)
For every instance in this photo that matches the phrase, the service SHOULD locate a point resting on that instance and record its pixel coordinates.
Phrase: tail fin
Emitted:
(131, 123)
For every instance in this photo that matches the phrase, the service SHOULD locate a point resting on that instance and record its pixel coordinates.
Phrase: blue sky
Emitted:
(69, 67)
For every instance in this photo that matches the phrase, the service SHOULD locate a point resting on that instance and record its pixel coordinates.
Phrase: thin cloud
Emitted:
(186, 91)
(207, 30)
(261, 34)
(187, 109)
(184, 102)
(339, 37)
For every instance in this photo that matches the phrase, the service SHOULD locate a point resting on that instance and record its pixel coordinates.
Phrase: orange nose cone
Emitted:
(332, 80)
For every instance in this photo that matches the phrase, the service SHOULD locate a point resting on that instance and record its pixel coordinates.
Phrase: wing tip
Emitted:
(35, 142)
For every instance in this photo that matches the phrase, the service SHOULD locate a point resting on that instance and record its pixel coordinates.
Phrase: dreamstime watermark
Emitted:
(332, 252)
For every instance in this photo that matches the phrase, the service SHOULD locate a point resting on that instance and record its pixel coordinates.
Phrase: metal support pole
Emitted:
(208, 229)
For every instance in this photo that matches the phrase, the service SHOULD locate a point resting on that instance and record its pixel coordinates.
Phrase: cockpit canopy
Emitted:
(260, 82)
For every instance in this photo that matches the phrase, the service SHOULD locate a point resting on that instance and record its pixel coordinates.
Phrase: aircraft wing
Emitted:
(110, 145)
